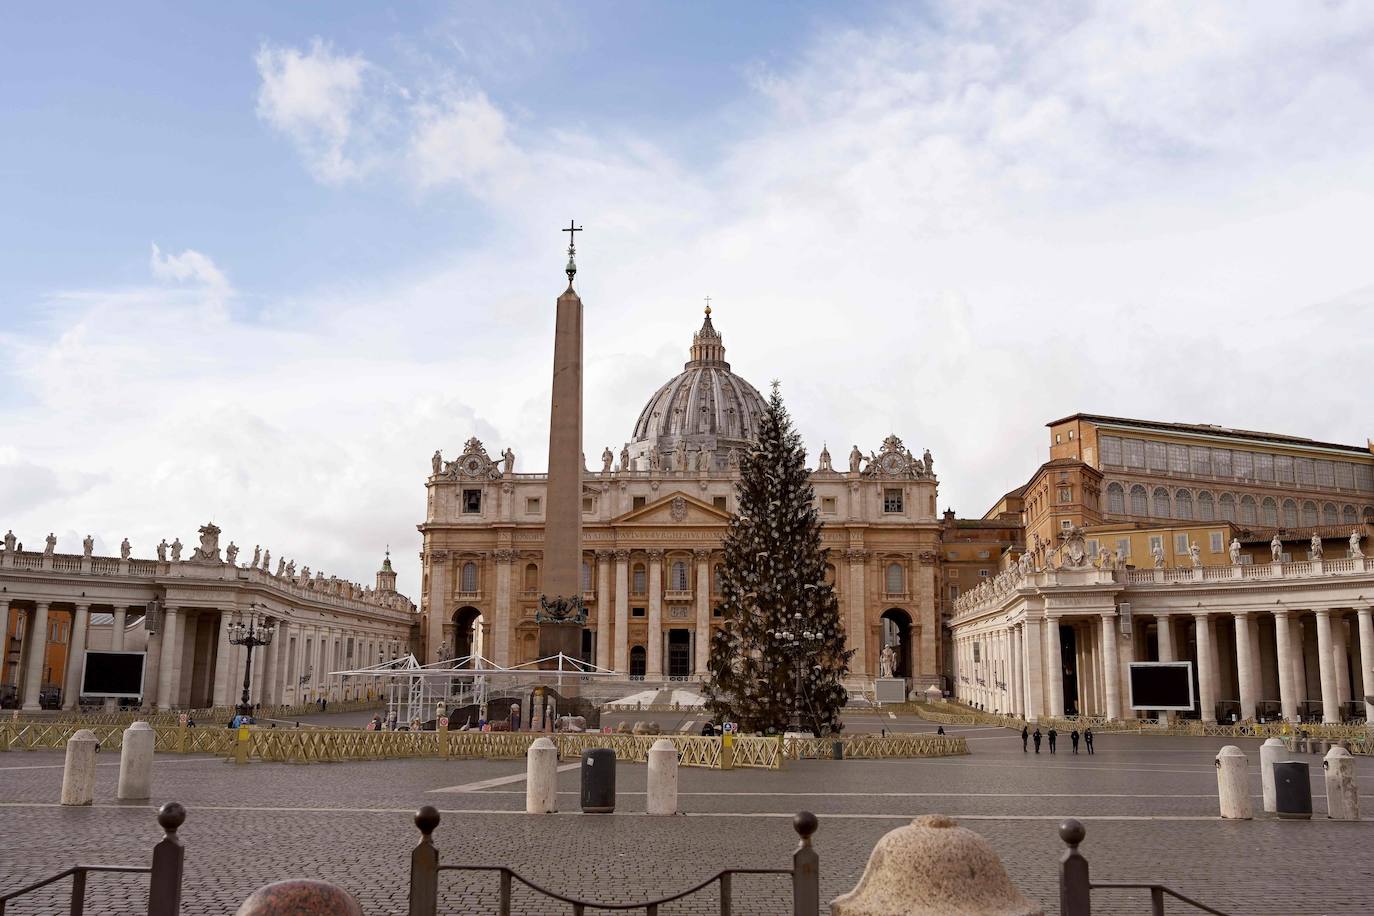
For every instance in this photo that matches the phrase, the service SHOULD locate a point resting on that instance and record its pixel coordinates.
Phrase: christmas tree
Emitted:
(774, 570)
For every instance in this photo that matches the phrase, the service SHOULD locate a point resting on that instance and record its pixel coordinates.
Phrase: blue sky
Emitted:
(260, 260)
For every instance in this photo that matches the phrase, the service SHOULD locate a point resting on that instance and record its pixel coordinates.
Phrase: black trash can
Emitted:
(837, 750)
(1292, 790)
(598, 781)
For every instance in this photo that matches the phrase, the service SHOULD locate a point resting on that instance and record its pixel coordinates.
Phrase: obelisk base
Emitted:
(559, 637)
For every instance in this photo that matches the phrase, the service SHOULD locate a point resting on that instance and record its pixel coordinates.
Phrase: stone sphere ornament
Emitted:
(300, 897)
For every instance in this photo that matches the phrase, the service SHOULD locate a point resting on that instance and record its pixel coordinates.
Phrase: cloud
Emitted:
(314, 97)
(189, 266)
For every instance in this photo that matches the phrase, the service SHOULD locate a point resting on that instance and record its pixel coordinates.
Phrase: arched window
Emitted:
(1269, 511)
(531, 577)
(1116, 499)
(639, 584)
(895, 579)
(1160, 507)
(678, 583)
(1349, 516)
(1290, 513)
(586, 576)
(468, 582)
(1309, 514)
(1329, 515)
(1206, 509)
(1138, 506)
(1248, 514)
(715, 579)
(1228, 507)
(1183, 504)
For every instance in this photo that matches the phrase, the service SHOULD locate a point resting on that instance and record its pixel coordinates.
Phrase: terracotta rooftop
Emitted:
(1211, 429)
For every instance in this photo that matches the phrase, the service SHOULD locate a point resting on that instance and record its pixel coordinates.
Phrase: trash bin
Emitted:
(837, 750)
(598, 781)
(1292, 790)
(1318, 746)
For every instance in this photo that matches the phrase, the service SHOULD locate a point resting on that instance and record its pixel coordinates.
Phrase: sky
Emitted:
(258, 261)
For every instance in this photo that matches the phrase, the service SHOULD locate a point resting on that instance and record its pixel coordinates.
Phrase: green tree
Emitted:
(774, 568)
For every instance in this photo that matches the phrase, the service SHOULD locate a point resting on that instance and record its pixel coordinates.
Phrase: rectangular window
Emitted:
(1307, 475)
(953, 592)
(472, 502)
(1364, 478)
(722, 503)
(532, 505)
(1202, 460)
(1111, 449)
(588, 503)
(1135, 453)
(1156, 456)
(639, 584)
(982, 573)
(954, 554)
(1283, 468)
(1156, 540)
(1221, 462)
(954, 573)
(1326, 473)
(827, 504)
(1264, 466)
(1218, 542)
(1123, 546)
(637, 502)
(892, 500)
(1345, 475)
(636, 612)
(1178, 459)
(1092, 547)
(1180, 543)
(984, 554)
(1244, 464)
(1066, 524)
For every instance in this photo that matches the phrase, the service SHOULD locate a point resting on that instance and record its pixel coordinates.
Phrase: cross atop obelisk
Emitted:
(561, 615)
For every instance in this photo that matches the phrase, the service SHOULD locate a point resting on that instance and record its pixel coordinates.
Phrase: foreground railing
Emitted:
(425, 869)
(165, 874)
(1075, 888)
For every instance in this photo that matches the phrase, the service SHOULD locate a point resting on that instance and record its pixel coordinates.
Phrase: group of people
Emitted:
(1028, 736)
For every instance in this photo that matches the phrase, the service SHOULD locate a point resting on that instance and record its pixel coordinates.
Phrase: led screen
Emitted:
(1162, 685)
(113, 674)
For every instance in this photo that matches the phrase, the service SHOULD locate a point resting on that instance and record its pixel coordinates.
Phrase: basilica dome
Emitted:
(700, 415)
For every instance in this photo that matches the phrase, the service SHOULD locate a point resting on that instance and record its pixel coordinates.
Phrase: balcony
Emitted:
(678, 594)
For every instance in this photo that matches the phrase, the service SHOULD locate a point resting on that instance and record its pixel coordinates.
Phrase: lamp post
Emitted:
(799, 643)
(250, 636)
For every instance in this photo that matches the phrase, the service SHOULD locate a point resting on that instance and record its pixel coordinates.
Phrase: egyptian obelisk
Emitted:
(561, 615)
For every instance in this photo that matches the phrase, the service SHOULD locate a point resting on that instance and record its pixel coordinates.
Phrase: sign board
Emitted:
(1162, 686)
(727, 728)
(443, 721)
(372, 726)
(183, 719)
(112, 674)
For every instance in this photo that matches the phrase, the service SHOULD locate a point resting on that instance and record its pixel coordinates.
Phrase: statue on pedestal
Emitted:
(1355, 537)
(1275, 549)
(9, 540)
(607, 459)
(231, 554)
(929, 463)
(1195, 554)
(281, 567)
(49, 544)
(1158, 553)
(437, 462)
(267, 561)
(856, 458)
(124, 549)
(1104, 558)
(87, 545)
(257, 556)
(162, 551)
(1316, 546)
(887, 661)
(1235, 552)
(176, 548)
(508, 460)
(291, 570)
(624, 459)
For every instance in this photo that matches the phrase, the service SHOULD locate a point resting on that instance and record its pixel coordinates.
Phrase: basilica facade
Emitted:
(654, 516)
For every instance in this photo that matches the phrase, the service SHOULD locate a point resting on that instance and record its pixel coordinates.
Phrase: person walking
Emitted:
(940, 730)
(1025, 738)
(1073, 736)
(1053, 735)
(1088, 739)
(1036, 738)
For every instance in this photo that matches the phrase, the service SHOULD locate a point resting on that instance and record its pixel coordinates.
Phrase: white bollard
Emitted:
(662, 778)
(1270, 752)
(541, 777)
(136, 762)
(1233, 784)
(78, 775)
(1342, 795)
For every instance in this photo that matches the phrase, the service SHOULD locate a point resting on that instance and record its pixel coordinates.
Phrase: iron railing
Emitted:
(164, 883)
(425, 869)
(1075, 889)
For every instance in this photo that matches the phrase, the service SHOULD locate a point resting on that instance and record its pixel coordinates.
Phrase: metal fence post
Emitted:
(1075, 890)
(424, 866)
(806, 870)
(169, 857)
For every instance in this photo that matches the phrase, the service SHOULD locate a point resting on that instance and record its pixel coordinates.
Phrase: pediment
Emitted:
(674, 509)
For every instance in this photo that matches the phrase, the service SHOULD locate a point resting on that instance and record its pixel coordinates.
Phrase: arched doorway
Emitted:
(466, 635)
(896, 630)
(637, 662)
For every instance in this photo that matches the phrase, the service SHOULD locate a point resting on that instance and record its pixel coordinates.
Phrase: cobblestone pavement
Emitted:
(1149, 804)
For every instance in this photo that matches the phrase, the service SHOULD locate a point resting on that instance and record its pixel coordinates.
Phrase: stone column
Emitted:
(269, 669)
(1111, 667)
(703, 635)
(622, 611)
(1054, 665)
(1018, 673)
(36, 649)
(5, 637)
(499, 651)
(440, 591)
(1164, 630)
(1089, 674)
(170, 663)
(654, 642)
(1331, 707)
(605, 631)
(1283, 648)
(1246, 675)
(117, 628)
(856, 628)
(224, 664)
(1206, 670)
(1366, 660)
(1339, 649)
(1035, 682)
(76, 654)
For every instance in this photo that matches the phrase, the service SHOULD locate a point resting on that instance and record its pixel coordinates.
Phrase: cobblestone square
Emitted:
(1149, 805)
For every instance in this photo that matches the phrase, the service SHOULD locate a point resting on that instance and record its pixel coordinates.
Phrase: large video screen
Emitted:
(112, 674)
(1162, 685)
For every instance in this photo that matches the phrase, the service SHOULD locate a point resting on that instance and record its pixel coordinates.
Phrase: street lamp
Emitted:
(250, 635)
(798, 642)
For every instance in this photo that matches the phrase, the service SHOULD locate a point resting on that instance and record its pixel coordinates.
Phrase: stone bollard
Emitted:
(300, 897)
(136, 762)
(662, 778)
(78, 775)
(541, 777)
(1342, 795)
(933, 866)
(1270, 752)
(1233, 784)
